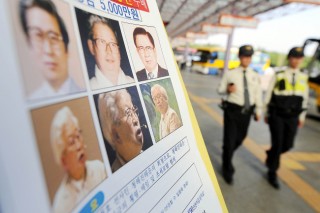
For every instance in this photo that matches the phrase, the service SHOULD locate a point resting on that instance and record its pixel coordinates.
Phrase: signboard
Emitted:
(95, 116)
(137, 4)
(317, 2)
(238, 21)
(180, 41)
(193, 35)
(215, 29)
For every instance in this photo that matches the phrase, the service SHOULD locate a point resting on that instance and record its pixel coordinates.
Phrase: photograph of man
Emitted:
(146, 49)
(69, 150)
(106, 50)
(162, 99)
(81, 175)
(48, 42)
(169, 120)
(123, 125)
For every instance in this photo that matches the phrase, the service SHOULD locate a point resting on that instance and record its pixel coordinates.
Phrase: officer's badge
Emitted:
(299, 49)
(248, 48)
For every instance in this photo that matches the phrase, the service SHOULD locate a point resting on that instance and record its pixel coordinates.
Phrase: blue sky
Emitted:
(279, 34)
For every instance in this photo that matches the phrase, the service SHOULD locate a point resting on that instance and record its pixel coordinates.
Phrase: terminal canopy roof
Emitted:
(182, 16)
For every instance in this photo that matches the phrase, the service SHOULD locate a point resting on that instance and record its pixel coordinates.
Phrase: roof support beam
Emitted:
(199, 10)
(178, 10)
(214, 13)
(161, 6)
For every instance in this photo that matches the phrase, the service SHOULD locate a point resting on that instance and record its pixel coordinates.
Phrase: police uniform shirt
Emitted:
(300, 88)
(235, 76)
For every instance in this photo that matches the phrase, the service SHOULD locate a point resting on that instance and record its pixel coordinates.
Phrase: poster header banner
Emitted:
(137, 4)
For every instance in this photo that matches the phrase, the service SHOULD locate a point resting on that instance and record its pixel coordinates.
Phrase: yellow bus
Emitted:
(210, 60)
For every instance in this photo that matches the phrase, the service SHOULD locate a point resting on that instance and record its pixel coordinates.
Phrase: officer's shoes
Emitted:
(273, 180)
(227, 178)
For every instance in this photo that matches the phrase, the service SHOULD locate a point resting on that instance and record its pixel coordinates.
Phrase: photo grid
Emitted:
(100, 93)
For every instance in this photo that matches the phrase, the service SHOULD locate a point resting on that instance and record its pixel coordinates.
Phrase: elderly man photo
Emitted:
(48, 40)
(169, 120)
(81, 175)
(121, 126)
(104, 47)
(147, 51)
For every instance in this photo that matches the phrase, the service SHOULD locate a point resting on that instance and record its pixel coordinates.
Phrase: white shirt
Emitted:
(71, 192)
(100, 81)
(288, 74)
(235, 76)
(46, 91)
(169, 122)
(154, 72)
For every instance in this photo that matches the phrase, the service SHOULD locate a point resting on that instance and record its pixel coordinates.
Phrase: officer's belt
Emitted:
(235, 107)
(286, 105)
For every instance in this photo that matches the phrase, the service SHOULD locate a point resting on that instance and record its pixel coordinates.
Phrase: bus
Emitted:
(313, 70)
(210, 60)
(260, 62)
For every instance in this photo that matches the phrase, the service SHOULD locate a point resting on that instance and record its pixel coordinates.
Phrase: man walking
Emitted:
(286, 101)
(242, 87)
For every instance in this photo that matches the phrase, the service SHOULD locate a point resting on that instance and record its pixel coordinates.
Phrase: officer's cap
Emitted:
(296, 52)
(246, 50)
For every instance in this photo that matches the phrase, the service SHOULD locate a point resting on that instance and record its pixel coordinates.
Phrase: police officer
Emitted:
(242, 87)
(286, 101)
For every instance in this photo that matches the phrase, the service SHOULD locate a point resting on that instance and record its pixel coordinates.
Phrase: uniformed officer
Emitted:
(242, 87)
(286, 101)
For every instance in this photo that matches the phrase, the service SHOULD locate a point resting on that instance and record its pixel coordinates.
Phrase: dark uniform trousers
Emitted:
(283, 130)
(236, 123)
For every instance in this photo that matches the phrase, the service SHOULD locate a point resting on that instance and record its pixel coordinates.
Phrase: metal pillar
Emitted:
(227, 53)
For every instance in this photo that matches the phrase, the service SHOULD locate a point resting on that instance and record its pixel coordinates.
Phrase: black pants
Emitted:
(283, 131)
(236, 123)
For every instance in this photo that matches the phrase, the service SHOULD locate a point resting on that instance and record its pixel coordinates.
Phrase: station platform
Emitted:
(299, 174)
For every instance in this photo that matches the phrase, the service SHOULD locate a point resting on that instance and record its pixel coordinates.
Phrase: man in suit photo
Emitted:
(146, 49)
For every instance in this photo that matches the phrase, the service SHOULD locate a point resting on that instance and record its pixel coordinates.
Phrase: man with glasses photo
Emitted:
(146, 49)
(169, 120)
(48, 40)
(103, 45)
(120, 124)
(81, 175)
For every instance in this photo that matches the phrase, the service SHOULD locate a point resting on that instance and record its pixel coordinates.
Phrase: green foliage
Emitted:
(277, 59)
(280, 59)
(195, 46)
(306, 61)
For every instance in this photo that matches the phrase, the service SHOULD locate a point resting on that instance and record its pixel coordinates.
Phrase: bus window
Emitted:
(201, 56)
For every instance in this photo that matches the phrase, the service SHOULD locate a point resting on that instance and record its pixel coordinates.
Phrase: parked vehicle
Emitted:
(313, 70)
(210, 60)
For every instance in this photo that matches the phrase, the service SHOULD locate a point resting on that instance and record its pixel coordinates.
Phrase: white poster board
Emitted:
(83, 129)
